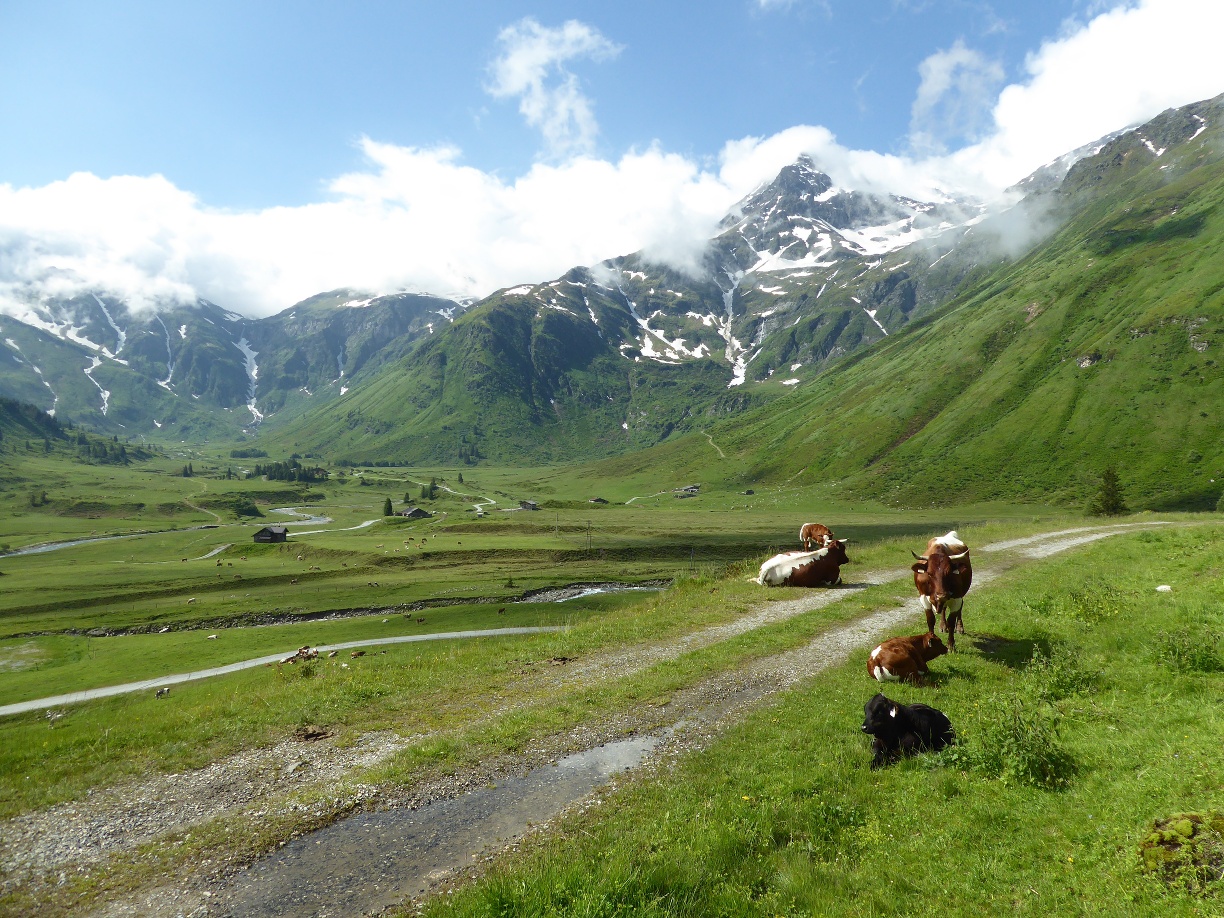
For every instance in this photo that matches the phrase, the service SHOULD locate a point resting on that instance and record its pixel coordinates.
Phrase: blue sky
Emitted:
(255, 153)
(256, 104)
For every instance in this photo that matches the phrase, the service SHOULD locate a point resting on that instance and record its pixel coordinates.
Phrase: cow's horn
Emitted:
(917, 557)
(963, 554)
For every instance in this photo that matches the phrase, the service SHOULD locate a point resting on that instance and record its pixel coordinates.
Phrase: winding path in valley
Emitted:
(144, 685)
(87, 833)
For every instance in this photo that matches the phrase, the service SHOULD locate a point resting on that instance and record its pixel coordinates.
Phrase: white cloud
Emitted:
(954, 98)
(532, 67)
(1122, 67)
(415, 219)
(420, 219)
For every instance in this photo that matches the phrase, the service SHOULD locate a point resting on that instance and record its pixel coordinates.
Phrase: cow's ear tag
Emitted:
(893, 712)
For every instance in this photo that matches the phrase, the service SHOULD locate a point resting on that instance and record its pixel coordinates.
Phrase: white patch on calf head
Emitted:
(893, 711)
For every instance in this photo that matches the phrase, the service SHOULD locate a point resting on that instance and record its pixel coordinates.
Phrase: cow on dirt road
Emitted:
(943, 576)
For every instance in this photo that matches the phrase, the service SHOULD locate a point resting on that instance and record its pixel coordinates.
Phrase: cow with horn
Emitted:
(943, 576)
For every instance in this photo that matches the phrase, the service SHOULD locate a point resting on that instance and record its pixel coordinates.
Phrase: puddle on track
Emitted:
(371, 861)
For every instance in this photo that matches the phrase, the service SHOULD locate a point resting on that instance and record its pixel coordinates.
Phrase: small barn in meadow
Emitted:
(272, 534)
(528, 505)
(415, 513)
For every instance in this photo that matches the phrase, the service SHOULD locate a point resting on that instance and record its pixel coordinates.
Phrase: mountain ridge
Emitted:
(603, 360)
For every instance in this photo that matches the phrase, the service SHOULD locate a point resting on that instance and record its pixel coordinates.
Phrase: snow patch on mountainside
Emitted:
(97, 362)
(871, 314)
(252, 369)
(54, 397)
(120, 334)
(673, 349)
(165, 383)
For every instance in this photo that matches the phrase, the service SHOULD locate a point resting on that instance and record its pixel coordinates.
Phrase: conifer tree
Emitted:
(388, 510)
(1109, 500)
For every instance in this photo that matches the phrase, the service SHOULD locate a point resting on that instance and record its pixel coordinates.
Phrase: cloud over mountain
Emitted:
(418, 218)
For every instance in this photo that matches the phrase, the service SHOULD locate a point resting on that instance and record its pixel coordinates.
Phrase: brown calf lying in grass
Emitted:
(904, 659)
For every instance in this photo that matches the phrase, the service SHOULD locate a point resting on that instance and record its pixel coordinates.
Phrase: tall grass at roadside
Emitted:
(782, 815)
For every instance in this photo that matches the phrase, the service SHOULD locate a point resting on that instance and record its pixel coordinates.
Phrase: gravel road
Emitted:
(40, 849)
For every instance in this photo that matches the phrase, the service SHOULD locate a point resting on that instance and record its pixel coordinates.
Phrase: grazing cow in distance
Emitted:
(904, 659)
(943, 576)
(904, 729)
(814, 535)
(805, 568)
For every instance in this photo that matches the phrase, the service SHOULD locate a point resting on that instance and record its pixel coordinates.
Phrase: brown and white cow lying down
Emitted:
(805, 568)
(814, 535)
(904, 659)
(943, 576)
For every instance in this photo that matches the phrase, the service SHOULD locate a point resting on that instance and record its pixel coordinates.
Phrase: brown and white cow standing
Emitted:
(805, 568)
(815, 535)
(904, 659)
(943, 576)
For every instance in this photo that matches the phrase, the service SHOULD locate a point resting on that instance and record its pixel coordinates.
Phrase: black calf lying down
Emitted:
(904, 729)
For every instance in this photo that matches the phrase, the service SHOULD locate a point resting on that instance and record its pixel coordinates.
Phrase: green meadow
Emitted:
(780, 816)
(126, 609)
(1086, 706)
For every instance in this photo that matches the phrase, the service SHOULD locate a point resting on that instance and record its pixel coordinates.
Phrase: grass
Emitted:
(454, 695)
(448, 685)
(99, 742)
(182, 575)
(782, 816)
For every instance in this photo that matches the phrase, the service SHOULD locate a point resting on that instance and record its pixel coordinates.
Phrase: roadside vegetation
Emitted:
(1086, 705)
(1061, 671)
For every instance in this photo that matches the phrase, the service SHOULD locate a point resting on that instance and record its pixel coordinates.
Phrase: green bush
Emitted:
(1018, 742)
(1189, 650)
(1059, 674)
(1094, 603)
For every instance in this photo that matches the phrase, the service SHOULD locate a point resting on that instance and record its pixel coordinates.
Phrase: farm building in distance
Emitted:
(272, 534)
(528, 505)
(415, 513)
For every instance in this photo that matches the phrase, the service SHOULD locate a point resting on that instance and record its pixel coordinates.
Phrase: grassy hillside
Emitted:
(513, 382)
(1099, 347)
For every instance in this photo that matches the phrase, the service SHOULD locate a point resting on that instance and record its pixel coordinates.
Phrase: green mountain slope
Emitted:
(1102, 346)
(514, 381)
(197, 372)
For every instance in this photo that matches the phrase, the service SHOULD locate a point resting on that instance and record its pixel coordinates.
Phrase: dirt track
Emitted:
(41, 847)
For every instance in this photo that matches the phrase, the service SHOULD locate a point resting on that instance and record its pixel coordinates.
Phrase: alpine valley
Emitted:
(832, 334)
